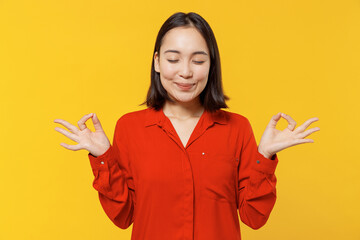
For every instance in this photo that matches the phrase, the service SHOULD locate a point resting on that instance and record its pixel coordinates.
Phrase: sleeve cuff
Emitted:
(102, 161)
(265, 165)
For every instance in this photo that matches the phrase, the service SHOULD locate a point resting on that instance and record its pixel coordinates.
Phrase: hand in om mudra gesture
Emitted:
(95, 142)
(272, 140)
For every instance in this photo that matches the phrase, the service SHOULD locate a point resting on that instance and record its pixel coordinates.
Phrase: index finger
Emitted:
(290, 120)
(81, 122)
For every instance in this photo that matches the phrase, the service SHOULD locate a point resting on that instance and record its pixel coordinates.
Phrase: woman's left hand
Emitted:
(273, 140)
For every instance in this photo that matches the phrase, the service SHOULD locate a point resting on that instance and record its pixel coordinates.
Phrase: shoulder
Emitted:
(132, 118)
(238, 123)
(233, 118)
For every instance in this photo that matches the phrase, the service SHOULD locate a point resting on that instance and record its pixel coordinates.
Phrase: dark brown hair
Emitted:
(212, 97)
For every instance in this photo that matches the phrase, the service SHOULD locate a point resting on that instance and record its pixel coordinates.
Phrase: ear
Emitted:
(156, 62)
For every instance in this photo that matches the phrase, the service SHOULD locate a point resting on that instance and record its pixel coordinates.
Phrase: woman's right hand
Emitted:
(96, 142)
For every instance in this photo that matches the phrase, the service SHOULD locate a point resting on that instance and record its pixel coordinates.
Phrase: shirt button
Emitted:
(257, 161)
(102, 162)
(203, 153)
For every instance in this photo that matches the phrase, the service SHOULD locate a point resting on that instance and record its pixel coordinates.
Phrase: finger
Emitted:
(274, 120)
(66, 124)
(67, 134)
(291, 121)
(71, 147)
(301, 141)
(308, 132)
(97, 124)
(81, 122)
(306, 124)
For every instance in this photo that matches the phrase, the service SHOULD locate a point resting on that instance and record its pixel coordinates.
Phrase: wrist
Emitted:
(265, 153)
(100, 152)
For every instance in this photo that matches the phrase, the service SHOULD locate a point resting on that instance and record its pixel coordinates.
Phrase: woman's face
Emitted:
(184, 64)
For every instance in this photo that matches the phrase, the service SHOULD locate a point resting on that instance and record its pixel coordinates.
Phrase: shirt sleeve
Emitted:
(256, 182)
(114, 181)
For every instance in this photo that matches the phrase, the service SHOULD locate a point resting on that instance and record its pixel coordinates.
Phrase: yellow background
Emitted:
(64, 59)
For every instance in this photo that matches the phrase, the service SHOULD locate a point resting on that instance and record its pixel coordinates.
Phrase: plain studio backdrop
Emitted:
(64, 59)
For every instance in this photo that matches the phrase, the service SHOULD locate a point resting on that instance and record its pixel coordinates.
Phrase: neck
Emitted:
(182, 110)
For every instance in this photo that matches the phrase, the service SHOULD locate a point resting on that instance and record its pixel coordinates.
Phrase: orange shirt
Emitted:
(171, 192)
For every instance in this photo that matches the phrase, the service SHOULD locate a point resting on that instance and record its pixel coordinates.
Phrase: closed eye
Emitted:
(174, 61)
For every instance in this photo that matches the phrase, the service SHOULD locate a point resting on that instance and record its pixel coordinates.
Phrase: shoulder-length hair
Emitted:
(212, 97)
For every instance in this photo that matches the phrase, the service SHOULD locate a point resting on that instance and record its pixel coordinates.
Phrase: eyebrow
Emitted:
(176, 51)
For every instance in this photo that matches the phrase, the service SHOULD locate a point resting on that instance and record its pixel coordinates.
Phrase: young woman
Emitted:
(183, 167)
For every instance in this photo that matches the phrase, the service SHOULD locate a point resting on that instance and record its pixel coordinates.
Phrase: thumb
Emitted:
(96, 122)
(274, 120)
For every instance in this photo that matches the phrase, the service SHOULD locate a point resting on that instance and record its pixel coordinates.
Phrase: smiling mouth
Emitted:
(185, 86)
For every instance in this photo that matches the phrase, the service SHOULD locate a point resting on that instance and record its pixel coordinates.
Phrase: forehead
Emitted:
(184, 39)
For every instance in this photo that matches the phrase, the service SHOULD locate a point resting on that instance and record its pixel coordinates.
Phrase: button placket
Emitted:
(188, 198)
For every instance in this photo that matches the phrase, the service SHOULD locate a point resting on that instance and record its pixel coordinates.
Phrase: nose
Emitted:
(185, 70)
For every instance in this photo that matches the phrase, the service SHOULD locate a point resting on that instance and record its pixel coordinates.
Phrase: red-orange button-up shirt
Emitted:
(171, 192)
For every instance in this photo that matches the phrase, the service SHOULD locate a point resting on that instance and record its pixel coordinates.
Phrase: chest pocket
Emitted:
(218, 177)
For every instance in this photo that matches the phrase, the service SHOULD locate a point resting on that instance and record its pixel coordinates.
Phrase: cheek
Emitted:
(166, 78)
(202, 74)
(168, 71)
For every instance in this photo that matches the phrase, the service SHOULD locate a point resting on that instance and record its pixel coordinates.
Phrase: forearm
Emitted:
(114, 193)
(257, 199)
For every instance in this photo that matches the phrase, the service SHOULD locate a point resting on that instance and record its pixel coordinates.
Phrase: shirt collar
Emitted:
(157, 117)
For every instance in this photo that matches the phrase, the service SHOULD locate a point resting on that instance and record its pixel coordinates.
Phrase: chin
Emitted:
(185, 99)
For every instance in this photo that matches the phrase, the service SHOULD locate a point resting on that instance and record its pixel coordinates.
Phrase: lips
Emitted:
(185, 86)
